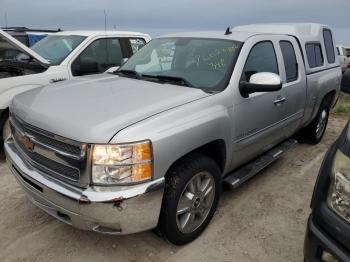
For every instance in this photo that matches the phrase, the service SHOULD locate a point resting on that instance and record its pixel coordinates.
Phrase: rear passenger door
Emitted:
(293, 83)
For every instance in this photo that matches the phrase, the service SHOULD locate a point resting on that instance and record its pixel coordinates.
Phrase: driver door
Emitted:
(258, 117)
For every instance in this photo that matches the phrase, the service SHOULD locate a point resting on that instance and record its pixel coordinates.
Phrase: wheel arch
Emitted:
(215, 149)
(329, 99)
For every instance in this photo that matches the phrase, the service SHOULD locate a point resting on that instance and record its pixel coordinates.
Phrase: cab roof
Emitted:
(102, 33)
(307, 31)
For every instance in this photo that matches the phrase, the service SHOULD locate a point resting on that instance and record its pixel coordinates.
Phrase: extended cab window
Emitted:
(136, 44)
(262, 58)
(290, 60)
(98, 57)
(328, 42)
(314, 54)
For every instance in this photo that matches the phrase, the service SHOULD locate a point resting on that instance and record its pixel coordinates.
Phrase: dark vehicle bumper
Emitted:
(319, 246)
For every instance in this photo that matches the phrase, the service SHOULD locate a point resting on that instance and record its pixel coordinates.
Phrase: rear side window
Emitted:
(262, 58)
(328, 42)
(314, 54)
(290, 61)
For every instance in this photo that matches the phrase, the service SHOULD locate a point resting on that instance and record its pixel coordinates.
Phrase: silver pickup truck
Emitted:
(151, 145)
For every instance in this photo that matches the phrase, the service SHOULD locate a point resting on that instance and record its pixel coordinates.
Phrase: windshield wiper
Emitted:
(129, 73)
(170, 79)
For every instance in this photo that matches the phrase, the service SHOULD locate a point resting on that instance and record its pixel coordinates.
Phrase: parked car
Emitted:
(345, 82)
(59, 57)
(344, 57)
(151, 146)
(28, 36)
(328, 229)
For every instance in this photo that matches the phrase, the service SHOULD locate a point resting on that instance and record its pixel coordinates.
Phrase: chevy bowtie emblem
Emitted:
(27, 142)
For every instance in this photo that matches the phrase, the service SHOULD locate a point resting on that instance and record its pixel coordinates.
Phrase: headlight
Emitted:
(122, 164)
(339, 192)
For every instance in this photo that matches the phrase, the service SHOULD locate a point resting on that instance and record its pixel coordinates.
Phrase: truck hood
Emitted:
(94, 109)
(5, 37)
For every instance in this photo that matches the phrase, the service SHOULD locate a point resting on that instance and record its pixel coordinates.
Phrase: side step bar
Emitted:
(242, 174)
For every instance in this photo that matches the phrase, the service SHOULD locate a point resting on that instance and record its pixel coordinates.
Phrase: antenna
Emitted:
(104, 11)
(228, 31)
(5, 19)
(106, 40)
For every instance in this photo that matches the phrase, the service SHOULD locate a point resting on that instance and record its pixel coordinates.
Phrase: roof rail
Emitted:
(26, 29)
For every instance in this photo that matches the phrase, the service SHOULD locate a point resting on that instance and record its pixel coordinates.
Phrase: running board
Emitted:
(239, 176)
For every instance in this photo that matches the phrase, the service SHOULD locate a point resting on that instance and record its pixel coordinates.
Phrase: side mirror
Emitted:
(261, 82)
(345, 82)
(85, 66)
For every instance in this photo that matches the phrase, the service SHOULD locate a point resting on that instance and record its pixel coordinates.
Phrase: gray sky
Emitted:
(163, 16)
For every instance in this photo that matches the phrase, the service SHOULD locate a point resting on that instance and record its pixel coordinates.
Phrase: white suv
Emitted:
(59, 57)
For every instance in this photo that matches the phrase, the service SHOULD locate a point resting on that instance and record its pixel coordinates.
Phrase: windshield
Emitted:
(55, 48)
(197, 62)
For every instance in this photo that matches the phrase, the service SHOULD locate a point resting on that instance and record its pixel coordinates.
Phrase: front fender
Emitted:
(176, 132)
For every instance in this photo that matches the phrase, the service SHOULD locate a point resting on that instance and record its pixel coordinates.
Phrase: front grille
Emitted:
(67, 148)
(49, 153)
(54, 168)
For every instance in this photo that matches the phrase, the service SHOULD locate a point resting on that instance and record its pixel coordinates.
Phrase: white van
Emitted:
(59, 57)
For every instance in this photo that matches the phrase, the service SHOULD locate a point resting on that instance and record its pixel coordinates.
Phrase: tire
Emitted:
(6, 130)
(182, 201)
(4, 126)
(313, 133)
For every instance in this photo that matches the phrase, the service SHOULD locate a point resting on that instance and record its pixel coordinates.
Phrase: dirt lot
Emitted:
(264, 220)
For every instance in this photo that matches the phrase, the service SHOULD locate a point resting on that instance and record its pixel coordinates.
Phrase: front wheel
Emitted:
(193, 187)
(6, 130)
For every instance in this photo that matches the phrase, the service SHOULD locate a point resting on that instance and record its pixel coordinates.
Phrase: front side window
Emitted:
(290, 61)
(98, 57)
(262, 58)
(196, 62)
(55, 48)
(314, 54)
(10, 52)
(22, 38)
(328, 42)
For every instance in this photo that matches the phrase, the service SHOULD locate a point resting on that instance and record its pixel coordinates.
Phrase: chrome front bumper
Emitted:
(108, 210)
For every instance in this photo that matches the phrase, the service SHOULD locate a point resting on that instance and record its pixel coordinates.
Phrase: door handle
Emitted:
(279, 101)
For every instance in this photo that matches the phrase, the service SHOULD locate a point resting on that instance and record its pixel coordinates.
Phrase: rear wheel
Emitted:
(190, 199)
(314, 132)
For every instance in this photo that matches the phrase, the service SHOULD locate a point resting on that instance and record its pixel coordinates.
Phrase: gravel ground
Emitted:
(263, 220)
